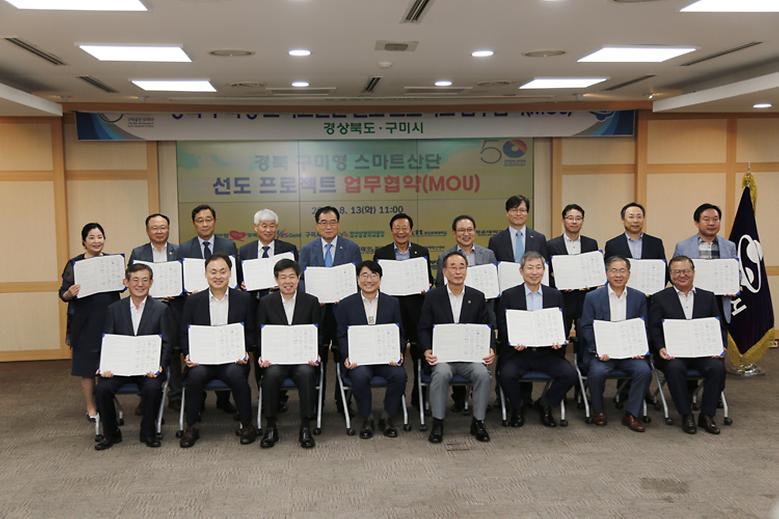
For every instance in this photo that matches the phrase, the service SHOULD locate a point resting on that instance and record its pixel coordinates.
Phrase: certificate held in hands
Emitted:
(536, 329)
(690, 338)
(370, 345)
(212, 345)
(195, 274)
(578, 271)
(289, 345)
(167, 279)
(621, 339)
(647, 275)
(99, 274)
(720, 276)
(404, 278)
(130, 356)
(461, 342)
(258, 273)
(331, 284)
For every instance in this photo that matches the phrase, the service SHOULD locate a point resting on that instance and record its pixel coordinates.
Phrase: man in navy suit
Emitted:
(401, 248)
(203, 246)
(160, 250)
(511, 243)
(684, 301)
(571, 242)
(517, 359)
(614, 302)
(134, 315)
(370, 307)
(218, 306)
(329, 250)
(288, 306)
(634, 242)
(455, 303)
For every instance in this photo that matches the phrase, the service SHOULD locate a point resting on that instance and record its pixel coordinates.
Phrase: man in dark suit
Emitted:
(134, 315)
(517, 359)
(218, 306)
(160, 250)
(684, 301)
(401, 248)
(571, 242)
(511, 243)
(614, 302)
(455, 303)
(203, 246)
(288, 306)
(329, 250)
(634, 242)
(370, 307)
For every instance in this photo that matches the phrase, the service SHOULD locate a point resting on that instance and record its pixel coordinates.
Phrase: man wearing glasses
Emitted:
(513, 242)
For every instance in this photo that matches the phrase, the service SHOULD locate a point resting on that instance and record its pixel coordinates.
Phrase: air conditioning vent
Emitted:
(98, 84)
(319, 91)
(416, 10)
(370, 86)
(396, 46)
(32, 49)
(629, 82)
(494, 83)
(720, 54)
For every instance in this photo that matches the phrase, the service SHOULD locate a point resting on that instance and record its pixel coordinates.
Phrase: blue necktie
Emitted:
(265, 249)
(519, 248)
(328, 255)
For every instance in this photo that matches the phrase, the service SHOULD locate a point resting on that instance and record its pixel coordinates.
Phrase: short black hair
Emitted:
(462, 217)
(370, 265)
(203, 207)
(516, 200)
(160, 215)
(705, 207)
(88, 227)
(453, 253)
(615, 258)
(285, 264)
(327, 209)
(136, 267)
(573, 206)
(628, 206)
(402, 216)
(679, 259)
(219, 256)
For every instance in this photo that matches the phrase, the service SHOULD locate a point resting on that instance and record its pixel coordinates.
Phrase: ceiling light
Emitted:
(443, 83)
(79, 5)
(300, 53)
(166, 53)
(300, 84)
(483, 53)
(543, 53)
(732, 6)
(231, 53)
(635, 54)
(563, 82)
(762, 105)
(174, 85)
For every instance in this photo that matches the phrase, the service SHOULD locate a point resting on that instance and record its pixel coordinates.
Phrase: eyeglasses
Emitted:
(369, 275)
(618, 271)
(574, 218)
(328, 223)
(679, 272)
(469, 230)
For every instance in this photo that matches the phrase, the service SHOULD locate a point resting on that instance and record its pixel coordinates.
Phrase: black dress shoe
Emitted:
(388, 428)
(688, 424)
(270, 437)
(436, 432)
(479, 430)
(189, 437)
(226, 406)
(366, 432)
(109, 440)
(545, 413)
(306, 439)
(707, 424)
(248, 434)
(151, 441)
(517, 419)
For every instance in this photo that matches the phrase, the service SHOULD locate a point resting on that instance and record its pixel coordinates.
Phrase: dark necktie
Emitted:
(206, 250)
(265, 249)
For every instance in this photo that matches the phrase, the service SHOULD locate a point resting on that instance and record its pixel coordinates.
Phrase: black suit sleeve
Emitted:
(503, 336)
(656, 316)
(186, 320)
(342, 323)
(167, 348)
(109, 321)
(425, 331)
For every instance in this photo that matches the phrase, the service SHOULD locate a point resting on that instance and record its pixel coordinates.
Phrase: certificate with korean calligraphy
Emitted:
(404, 278)
(720, 276)
(461, 342)
(99, 274)
(331, 284)
(578, 271)
(211, 345)
(130, 356)
(167, 280)
(289, 345)
(689, 338)
(258, 273)
(621, 339)
(195, 274)
(374, 344)
(537, 328)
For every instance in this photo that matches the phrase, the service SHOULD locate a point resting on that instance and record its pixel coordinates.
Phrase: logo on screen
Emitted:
(514, 148)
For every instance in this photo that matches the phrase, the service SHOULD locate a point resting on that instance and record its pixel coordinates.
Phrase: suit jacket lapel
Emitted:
(127, 320)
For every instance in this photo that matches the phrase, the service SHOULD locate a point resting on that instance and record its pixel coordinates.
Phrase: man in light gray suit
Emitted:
(708, 244)
(464, 232)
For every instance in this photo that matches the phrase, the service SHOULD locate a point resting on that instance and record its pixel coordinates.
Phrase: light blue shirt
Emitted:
(635, 246)
(535, 300)
(400, 256)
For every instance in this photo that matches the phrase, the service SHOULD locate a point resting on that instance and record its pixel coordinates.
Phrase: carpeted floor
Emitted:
(50, 469)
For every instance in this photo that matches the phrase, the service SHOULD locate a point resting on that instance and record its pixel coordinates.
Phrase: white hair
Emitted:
(264, 215)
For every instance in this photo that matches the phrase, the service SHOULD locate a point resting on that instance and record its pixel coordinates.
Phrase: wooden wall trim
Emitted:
(731, 131)
(17, 287)
(772, 271)
(116, 174)
(557, 185)
(26, 355)
(61, 219)
(642, 144)
(598, 169)
(660, 169)
(26, 176)
(758, 167)
(152, 177)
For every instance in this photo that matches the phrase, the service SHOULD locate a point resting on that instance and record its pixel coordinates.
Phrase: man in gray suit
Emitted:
(708, 244)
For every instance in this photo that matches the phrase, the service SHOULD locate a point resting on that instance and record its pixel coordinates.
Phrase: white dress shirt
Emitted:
(687, 301)
(210, 244)
(218, 308)
(371, 307)
(456, 302)
(618, 305)
(289, 306)
(271, 248)
(573, 246)
(159, 255)
(136, 312)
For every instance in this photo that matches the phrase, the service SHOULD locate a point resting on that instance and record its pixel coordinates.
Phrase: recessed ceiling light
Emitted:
(483, 53)
(563, 82)
(79, 5)
(543, 53)
(174, 85)
(762, 105)
(300, 84)
(732, 6)
(635, 54)
(300, 53)
(443, 83)
(164, 53)
(231, 53)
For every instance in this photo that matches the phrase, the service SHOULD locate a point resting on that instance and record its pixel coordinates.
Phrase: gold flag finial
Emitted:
(749, 181)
